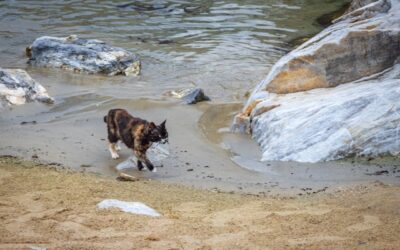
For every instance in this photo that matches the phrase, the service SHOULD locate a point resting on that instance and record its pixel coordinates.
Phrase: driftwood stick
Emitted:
(126, 177)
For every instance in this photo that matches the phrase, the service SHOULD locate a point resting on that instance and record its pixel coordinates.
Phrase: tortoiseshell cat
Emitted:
(135, 133)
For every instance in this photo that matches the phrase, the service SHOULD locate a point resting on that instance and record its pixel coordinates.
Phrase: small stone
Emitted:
(24, 123)
(189, 96)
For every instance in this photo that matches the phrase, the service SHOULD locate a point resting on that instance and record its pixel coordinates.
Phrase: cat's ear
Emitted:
(162, 125)
(152, 125)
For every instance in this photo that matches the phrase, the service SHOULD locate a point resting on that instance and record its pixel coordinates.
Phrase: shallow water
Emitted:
(225, 47)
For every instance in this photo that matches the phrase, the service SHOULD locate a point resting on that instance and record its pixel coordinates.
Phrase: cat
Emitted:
(136, 133)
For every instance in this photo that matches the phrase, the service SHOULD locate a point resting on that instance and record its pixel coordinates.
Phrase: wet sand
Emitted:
(203, 153)
(56, 209)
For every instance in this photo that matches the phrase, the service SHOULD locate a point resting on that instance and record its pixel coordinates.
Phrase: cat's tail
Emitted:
(105, 119)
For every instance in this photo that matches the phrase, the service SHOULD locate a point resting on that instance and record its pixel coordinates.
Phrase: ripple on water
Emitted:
(207, 43)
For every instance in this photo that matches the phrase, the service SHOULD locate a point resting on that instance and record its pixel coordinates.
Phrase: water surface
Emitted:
(226, 47)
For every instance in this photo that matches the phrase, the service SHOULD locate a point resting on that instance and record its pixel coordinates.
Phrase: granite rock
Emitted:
(17, 87)
(82, 55)
(335, 95)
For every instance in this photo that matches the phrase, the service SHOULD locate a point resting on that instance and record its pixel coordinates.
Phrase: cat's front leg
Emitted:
(143, 158)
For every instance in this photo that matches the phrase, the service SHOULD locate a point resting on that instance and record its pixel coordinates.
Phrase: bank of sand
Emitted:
(56, 209)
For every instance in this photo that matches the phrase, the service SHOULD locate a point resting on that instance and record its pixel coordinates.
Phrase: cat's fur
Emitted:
(137, 134)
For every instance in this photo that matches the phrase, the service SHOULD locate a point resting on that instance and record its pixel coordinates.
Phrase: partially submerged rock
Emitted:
(190, 96)
(355, 119)
(361, 43)
(129, 207)
(17, 87)
(82, 55)
(321, 102)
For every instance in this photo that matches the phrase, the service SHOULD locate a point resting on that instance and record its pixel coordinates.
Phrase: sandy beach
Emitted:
(56, 209)
(214, 188)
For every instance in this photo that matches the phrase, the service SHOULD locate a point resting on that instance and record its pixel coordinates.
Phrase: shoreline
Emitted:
(211, 159)
(53, 208)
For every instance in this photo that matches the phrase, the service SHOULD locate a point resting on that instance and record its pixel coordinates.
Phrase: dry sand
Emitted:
(56, 209)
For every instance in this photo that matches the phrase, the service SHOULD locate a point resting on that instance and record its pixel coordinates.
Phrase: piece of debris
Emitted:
(126, 177)
(381, 172)
(82, 55)
(165, 41)
(31, 122)
(85, 166)
(128, 207)
(54, 164)
(189, 96)
(152, 238)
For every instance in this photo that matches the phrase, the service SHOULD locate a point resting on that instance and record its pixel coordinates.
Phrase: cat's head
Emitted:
(158, 133)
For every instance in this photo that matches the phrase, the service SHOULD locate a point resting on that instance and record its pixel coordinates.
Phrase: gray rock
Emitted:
(360, 43)
(82, 55)
(319, 103)
(354, 119)
(190, 96)
(17, 87)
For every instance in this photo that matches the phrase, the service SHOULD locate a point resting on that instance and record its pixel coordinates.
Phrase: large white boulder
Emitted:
(332, 123)
(316, 103)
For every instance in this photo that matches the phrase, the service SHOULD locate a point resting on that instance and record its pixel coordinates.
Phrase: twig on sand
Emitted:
(126, 177)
